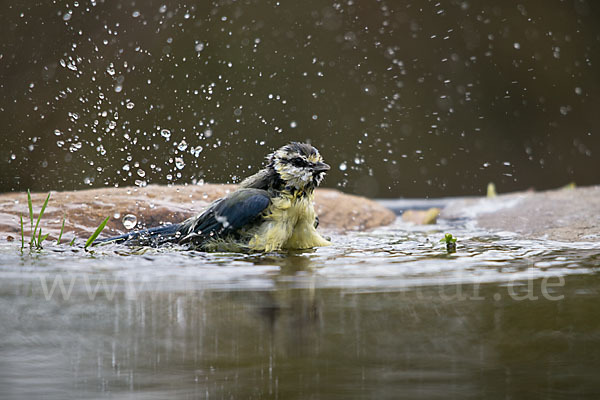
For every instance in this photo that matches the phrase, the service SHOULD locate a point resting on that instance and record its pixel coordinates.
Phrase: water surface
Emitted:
(383, 314)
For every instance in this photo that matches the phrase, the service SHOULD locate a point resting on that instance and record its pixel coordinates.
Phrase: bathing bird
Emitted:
(271, 210)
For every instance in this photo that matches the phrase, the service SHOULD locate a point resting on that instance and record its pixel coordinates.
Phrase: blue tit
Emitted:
(271, 210)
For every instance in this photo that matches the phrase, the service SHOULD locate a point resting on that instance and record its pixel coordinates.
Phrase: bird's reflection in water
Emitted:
(291, 314)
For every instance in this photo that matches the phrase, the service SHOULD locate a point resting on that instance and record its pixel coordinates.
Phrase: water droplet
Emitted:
(199, 47)
(208, 133)
(163, 9)
(129, 221)
(130, 105)
(67, 15)
(343, 166)
(57, 132)
(223, 220)
(182, 145)
(75, 146)
(517, 45)
(293, 124)
(165, 133)
(141, 173)
(179, 163)
(197, 150)
(135, 14)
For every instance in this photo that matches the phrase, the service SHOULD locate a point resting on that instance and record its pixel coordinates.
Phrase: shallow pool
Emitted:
(381, 314)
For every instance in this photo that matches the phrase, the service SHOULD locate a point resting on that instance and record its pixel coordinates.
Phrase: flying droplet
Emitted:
(343, 166)
(165, 133)
(196, 150)
(129, 221)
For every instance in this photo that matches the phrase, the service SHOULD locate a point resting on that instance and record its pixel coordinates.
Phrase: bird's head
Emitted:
(299, 165)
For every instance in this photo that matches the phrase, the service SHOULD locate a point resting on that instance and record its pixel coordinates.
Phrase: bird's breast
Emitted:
(288, 224)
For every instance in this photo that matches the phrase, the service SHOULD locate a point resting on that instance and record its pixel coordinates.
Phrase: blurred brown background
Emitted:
(403, 98)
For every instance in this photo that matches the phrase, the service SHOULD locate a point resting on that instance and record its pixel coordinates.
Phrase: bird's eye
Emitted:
(299, 162)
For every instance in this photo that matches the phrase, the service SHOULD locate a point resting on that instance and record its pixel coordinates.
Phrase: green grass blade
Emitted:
(72, 241)
(62, 229)
(39, 243)
(30, 203)
(43, 238)
(40, 216)
(22, 235)
(96, 233)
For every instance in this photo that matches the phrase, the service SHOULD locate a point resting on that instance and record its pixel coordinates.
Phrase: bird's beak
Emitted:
(321, 167)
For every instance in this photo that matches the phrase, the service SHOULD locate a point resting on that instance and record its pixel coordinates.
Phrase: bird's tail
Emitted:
(148, 237)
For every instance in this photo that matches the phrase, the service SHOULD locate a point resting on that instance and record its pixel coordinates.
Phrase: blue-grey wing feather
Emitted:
(226, 216)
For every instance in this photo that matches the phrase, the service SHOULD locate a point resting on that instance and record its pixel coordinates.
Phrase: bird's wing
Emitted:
(226, 215)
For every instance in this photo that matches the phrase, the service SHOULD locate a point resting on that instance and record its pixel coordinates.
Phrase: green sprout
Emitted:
(96, 233)
(36, 236)
(450, 242)
(22, 235)
(62, 229)
(448, 238)
(39, 244)
(30, 204)
(41, 238)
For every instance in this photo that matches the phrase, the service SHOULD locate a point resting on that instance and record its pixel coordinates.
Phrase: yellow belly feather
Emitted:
(289, 224)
